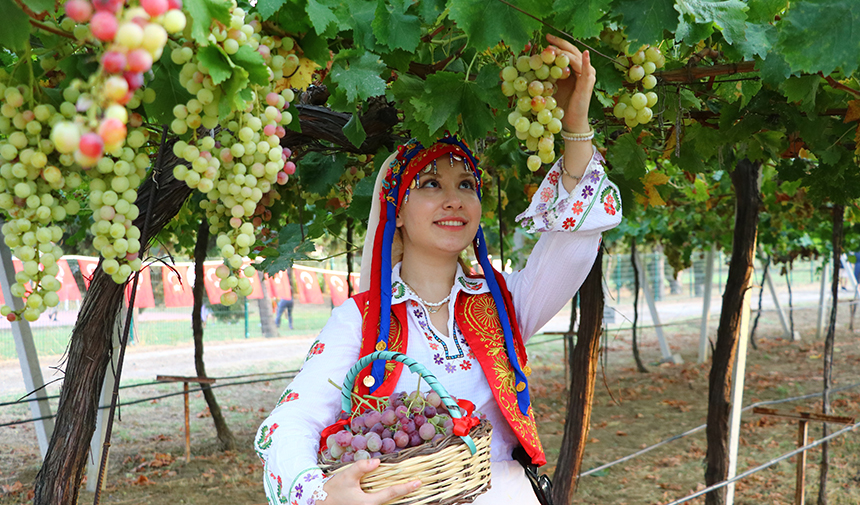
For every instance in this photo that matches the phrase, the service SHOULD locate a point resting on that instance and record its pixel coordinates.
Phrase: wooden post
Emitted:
(655, 317)
(782, 319)
(802, 431)
(822, 299)
(706, 305)
(185, 381)
(187, 425)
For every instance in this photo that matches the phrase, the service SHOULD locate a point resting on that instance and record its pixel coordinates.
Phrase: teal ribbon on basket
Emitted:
(460, 422)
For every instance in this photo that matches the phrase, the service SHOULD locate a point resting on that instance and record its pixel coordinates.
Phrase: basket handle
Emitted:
(414, 367)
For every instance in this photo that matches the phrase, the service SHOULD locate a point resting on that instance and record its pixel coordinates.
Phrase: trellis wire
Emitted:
(765, 465)
(702, 427)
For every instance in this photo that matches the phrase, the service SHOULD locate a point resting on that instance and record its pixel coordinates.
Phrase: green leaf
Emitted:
(16, 26)
(362, 195)
(583, 16)
(267, 8)
(359, 76)
(321, 16)
(233, 89)
(398, 59)
(774, 70)
(315, 48)
(167, 89)
(294, 125)
(758, 39)
(449, 100)
(292, 18)
(394, 27)
(220, 69)
(647, 19)
(821, 36)
(319, 172)
(291, 248)
(430, 10)
(203, 12)
(628, 158)
(253, 63)
(39, 6)
(764, 11)
(489, 22)
(354, 130)
(729, 15)
(803, 90)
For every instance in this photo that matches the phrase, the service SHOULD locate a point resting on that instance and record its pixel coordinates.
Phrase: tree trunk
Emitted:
(349, 256)
(639, 365)
(89, 354)
(838, 222)
(267, 320)
(745, 182)
(225, 437)
(584, 358)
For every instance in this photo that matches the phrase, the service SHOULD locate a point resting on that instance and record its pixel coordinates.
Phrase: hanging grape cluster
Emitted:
(536, 117)
(237, 165)
(635, 107)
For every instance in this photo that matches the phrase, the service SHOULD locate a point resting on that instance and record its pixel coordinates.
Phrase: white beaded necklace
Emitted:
(430, 306)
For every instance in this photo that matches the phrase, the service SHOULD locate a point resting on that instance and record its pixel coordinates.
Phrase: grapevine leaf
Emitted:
(359, 76)
(831, 20)
(448, 99)
(253, 63)
(362, 195)
(354, 130)
(233, 93)
(757, 40)
(583, 16)
(294, 125)
(291, 248)
(39, 6)
(430, 10)
(729, 15)
(319, 172)
(315, 48)
(487, 23)
(411, 86)
(628, 158)
(267, 8)
(646, 19)
(203, 12)
(398, 59)
(321, 16)
(763, 11)
(219, 67)
(16, 25)
(394, 27)
(360, 18)
(774, 70)
(802, 89)
(292, 18)
(170, 93)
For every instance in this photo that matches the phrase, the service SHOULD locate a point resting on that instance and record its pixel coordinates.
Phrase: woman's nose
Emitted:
(453, 199)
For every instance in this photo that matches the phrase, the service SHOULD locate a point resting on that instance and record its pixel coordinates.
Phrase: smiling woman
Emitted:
(468, 329)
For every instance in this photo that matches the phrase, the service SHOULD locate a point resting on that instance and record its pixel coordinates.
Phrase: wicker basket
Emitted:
(452, 470)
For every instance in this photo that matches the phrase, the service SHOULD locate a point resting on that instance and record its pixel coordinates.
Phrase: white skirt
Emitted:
(509, 486)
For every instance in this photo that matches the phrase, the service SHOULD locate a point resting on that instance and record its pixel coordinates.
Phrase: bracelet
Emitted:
(577, 137)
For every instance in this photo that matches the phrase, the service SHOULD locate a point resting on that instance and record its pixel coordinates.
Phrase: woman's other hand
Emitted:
(574, 93)
(345, 487)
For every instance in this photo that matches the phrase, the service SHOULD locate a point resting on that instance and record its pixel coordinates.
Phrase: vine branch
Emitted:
(838, 85)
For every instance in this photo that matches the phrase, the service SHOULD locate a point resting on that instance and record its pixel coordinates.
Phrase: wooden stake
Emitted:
(187, 425)
(802, 431)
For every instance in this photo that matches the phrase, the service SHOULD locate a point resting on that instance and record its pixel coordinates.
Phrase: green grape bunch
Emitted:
(636, 107)
(530, 82)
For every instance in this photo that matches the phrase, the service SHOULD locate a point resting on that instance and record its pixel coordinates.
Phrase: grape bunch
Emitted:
(536, 117)
(405, 420)
(639, 66)
(34, 194)
(238, 164)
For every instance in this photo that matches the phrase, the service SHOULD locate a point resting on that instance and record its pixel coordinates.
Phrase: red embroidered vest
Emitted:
(478, 320)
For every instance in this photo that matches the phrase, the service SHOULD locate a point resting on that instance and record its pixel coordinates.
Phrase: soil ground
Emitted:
(631, 411)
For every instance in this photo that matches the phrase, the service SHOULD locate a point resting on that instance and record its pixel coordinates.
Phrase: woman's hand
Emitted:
(345, 487)
(574, 93)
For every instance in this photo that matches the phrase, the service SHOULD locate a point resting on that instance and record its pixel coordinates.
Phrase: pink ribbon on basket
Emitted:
(464, 425)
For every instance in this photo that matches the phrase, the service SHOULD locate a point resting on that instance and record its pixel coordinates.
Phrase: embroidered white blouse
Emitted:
(288, 441)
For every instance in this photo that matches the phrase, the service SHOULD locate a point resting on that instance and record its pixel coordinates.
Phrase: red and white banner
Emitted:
(308, 286)
(354, 278)
(68, 287)
(280, 286)
(210, 282)
(88, 268)
(144, 297)
(178, 289)
(337, 288)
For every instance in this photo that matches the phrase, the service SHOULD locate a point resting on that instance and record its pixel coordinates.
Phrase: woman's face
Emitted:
(442, 214)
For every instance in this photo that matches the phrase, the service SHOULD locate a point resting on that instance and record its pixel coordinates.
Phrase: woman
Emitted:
(426, 306)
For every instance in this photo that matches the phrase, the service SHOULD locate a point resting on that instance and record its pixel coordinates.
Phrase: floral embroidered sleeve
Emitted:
(288, 440)
(572, 223)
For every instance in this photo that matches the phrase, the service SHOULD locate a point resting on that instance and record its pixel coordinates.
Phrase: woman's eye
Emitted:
(430, 184)
(467, 185)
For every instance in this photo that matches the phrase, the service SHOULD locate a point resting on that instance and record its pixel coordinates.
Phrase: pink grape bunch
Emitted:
(240, 164)
(406, 420)
(536, 117)
(638, 66)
